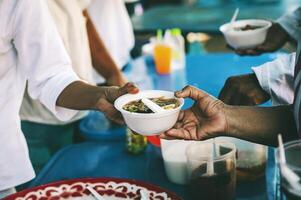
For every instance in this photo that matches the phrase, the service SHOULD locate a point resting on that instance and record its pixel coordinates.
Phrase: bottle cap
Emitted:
(176, 31)
(159, 35)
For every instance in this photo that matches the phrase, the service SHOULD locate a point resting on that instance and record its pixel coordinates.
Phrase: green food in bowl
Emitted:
(139, 107)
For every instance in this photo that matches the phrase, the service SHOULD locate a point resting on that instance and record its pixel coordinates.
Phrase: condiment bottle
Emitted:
(178, 56)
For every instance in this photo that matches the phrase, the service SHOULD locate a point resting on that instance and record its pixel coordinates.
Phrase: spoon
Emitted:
(94, 193)
(153, 106)
(233, 19)
(289, 174)
(210, 163)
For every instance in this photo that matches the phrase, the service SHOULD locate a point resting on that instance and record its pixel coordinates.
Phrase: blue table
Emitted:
(109, 158)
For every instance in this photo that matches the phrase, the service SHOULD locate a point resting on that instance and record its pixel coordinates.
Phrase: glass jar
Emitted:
(135, 143)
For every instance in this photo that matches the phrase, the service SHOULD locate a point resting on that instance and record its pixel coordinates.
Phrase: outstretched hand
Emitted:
(275, 39)
(110, 94)
(243, 90)
(204, 120)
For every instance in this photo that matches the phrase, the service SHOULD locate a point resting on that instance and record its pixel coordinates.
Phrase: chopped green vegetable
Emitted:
(139, 107)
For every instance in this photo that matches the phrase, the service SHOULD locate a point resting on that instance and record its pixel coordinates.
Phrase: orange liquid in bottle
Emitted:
(162, 56)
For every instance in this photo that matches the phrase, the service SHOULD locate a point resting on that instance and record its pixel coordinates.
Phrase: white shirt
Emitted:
(277, 77)
(71, 25)
(292, 23)
(113, 24)
(30, 49)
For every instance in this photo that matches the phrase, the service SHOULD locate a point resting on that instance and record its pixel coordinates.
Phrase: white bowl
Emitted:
(245, 39)
(148, 123)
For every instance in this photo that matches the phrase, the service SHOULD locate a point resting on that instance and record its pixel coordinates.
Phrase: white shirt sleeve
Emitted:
(277, 78)
(292, 23)
(41, 55)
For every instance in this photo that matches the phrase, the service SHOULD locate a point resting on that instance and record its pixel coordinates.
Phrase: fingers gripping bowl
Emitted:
(244, 34)
(149, 123)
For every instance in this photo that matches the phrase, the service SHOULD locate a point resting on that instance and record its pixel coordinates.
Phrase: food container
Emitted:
(149, 123)
(175, 160)
(211, 170)
(251, 159)
(244, 39)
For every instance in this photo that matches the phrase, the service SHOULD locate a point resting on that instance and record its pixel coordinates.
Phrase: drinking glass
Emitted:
(292, 190)
(162, 57)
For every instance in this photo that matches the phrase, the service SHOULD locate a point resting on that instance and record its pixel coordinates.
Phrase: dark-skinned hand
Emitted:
(275, 39)
(243, 90)
(106, 101)
(204, 120)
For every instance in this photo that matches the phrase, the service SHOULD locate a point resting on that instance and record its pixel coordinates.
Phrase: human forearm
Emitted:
(101, 59)
(80, 96)
(209, 118)
(260, 124)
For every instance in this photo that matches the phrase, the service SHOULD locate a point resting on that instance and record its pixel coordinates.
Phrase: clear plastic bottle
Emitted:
(178, 61)
(175, 40)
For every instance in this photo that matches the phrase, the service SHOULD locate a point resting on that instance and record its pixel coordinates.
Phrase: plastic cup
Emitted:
(162, 57)
(217, 184)
(292, 153)
(175, 161)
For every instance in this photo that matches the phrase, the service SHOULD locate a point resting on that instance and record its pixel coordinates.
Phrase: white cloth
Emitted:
(277, 79)
(71, 25)
(30, 49)
(114, 26)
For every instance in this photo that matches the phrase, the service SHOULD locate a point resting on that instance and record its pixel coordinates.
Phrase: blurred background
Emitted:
(199, 20)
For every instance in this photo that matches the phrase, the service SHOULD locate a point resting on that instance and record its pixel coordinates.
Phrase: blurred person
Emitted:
(273, 79)
(32, 51)
(44, 132)
(113, 24)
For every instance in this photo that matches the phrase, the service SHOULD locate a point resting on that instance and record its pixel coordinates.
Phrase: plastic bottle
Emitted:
(168, 37)
(175, 40)
(178, 61)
